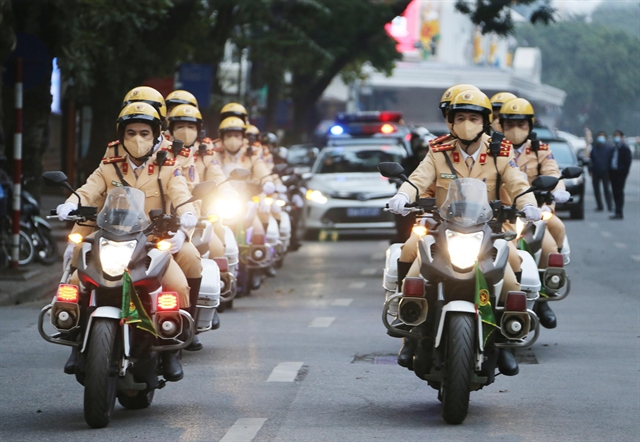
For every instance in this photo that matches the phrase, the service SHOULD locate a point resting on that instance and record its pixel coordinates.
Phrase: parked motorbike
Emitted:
(454, 311)
(122, 322)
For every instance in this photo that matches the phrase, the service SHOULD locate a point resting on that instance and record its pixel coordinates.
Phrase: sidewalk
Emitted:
(36, 281)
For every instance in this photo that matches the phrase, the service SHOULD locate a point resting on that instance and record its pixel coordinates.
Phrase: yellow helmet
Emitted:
(138, 113)
(501, 98)
(233, 110)
(517, 109)
(471, 100)
(252, 130)
(450, 94)
(231, 123)
(185, 112)
(178, 97)
(148, 95)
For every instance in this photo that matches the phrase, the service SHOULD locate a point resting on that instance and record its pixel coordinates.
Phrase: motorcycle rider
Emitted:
(179, 97)
(138, 127)
(468, 156)
(252, 134)
(496, 103)
(533, 159)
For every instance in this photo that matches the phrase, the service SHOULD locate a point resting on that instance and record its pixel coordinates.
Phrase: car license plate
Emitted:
(363, 212)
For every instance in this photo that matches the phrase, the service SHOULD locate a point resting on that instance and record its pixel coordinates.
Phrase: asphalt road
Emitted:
(306, 358)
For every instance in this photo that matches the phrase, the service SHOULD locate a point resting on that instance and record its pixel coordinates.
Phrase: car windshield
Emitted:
(123, 212)
(467, 203)
(563, 154)
(344, 160)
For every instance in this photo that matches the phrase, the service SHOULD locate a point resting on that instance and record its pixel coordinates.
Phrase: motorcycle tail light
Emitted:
(555, 260)
(223, 264)
(413, 287)
(516, 302)
(257, 239)
(67, 293)
(167, 301)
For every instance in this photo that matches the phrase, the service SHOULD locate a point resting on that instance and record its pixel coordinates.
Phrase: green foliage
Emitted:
(494, 16)
(597, 67)
(624, 16)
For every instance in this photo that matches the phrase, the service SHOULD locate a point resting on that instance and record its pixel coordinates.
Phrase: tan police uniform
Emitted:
(145, 178)
(435, 169)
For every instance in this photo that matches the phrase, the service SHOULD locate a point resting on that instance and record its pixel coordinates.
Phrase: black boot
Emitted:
(405, 357)
(507, 363)
(546, 315)
(171, 366)
(70, 365)
(194, 292)
(519, 276)
(403, 269)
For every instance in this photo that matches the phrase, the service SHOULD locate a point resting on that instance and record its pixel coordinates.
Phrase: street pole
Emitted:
(17, 168)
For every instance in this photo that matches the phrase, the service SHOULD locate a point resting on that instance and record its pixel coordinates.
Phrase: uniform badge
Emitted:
(456, 157)
(125, 167)
(483, 158)
(513, 164)
(528, 151)
(115, 183)
(150, 169)
(550, 157)
(448, 176)
(177, 172)
(192, 173)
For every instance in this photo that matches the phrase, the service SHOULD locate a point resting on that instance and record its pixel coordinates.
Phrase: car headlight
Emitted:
(464, 248)
(228, 208)
(115, 256)
(316, 196)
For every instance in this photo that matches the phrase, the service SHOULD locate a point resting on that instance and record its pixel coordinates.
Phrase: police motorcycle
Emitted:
(555, 284)
(278, 232)
(454, 310)
(296, 191)
(120, 320)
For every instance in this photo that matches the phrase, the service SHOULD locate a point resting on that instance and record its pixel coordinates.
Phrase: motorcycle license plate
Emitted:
(363, 212)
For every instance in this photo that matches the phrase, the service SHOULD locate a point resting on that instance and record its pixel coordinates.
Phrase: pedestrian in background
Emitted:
(599, 170)
(618, 171)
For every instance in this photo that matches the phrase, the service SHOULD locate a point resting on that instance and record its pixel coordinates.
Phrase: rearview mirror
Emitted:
(545, 182)
(201, 190)
(390, 170)
(571, 172)
(239, 174)
(55, 179)
(280, 168)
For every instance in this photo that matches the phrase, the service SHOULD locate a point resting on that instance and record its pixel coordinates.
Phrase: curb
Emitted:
(36, 284)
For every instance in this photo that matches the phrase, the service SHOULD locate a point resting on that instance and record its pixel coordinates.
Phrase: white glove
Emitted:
(281, 188)
(297, 201)
(68, 254)
(561, 196)
(63, 210)
(546, 208)
(176, 240)
(532, 213)
(263, 207)
(188, 220)
(268, 188)
(275, 209)
(396, 204)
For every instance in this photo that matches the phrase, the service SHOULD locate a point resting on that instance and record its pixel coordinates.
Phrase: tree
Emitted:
(495, 15)
(597, 67)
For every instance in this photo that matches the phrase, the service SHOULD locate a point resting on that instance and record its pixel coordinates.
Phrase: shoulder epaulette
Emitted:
(543, 146)
(113, 143)
(170, 162)
(185, 152)
(439, 140)
(505, 148)
(442, 147)
(207, 140)
(109, 160)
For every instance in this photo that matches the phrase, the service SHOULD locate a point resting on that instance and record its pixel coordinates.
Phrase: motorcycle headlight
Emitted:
(115, 256)
(316, 196)
(464, 248)
(228, 208)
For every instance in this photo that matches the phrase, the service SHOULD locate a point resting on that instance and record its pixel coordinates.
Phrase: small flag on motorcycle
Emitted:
(483, 305)
(133, 311)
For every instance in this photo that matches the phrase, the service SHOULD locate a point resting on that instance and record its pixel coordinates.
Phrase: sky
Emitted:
(576, 6)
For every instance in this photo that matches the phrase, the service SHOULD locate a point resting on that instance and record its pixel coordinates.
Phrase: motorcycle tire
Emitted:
(26, 250)
(143, 399)
(101, 378)
(459, 355)
(48, 252)
(224, 305)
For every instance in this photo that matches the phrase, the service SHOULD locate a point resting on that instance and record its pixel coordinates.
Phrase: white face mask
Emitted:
(232, 144)
(185, 134)
(467, 130)
(138, 147)
(516, 135)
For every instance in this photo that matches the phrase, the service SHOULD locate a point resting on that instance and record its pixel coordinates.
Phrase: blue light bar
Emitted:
(337, 130)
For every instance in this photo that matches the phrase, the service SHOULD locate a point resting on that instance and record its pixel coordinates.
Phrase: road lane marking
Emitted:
(285, 372)
(606, 234)
(244, 430)
(324, 321)
(368, 272)
(342, 302)
(635, 257)
(357, 285)
(620, 245)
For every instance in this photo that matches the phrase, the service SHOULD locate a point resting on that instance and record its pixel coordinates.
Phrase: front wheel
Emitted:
(101, 375)
(459, 351)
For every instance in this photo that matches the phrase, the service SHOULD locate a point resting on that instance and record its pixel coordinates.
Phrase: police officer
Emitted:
(179, 97)
(533, 159)
(468, 156)
(496, 103)
(138, 127)
(252, 134)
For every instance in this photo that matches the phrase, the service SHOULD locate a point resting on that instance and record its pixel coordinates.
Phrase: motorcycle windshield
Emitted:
(123, 212)
(467, 204)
